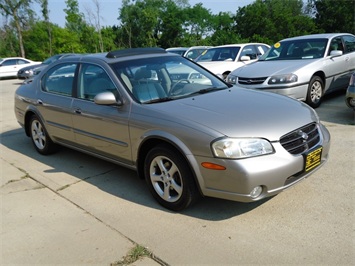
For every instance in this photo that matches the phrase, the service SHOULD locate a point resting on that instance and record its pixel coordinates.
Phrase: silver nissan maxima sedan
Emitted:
(184, 130)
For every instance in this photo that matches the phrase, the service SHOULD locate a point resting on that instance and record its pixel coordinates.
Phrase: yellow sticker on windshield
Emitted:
(277, 45)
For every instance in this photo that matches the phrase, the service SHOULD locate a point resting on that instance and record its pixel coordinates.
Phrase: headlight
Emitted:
(231, 79)
(282, 79)
(233, 148)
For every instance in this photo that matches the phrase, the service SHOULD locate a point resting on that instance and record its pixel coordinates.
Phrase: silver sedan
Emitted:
(305, 67)
(185, 131)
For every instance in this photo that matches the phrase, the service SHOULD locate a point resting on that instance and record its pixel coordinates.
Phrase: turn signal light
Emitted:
(213, 166)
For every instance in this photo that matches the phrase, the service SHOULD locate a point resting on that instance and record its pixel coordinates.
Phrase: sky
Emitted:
(110, 8)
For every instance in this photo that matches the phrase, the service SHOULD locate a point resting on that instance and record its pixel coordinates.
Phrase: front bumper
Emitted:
(298, 92)
(274, 173)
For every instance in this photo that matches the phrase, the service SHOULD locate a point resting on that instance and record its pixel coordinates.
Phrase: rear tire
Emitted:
(315, 92)
(169, 178)
(40, 138)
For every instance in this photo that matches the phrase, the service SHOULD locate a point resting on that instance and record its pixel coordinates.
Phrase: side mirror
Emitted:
(245, 58)
(107, 98)
(335, 53)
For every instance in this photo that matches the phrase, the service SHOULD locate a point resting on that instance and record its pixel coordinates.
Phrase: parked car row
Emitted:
(305, 67)
(185, 131)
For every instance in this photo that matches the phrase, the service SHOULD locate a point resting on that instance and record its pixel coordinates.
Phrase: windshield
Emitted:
(296, 50)
(165, 78)
(219, 54)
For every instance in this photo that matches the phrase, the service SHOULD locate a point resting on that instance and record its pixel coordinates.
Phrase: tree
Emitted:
(95, 20)
(334, 17)
(140, 21)
(272, 20)
(19, 11)
(198, 24)
(45, 13)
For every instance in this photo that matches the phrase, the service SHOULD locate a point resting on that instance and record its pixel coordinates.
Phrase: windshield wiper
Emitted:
(202, 91)
(159, 100)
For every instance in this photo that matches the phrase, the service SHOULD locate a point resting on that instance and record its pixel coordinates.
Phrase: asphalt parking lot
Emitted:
(70, 208)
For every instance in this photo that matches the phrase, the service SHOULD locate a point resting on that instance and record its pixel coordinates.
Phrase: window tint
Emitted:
(249, 51)
(9, 62)
(336, 45)
(22, 62)
(219, 54)
(59, 79)
(93, 80)
(349, 42)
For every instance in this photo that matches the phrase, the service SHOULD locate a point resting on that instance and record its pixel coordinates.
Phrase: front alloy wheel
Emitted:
(315, 92)
(169, 178)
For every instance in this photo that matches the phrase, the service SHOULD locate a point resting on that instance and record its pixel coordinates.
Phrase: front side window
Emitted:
(249, 51)
(9, 62)
(336, 44)
(93, 80)
(59, 79)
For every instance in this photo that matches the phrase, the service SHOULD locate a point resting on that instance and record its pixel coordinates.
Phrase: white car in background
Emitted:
(9, 66)
(221, 60)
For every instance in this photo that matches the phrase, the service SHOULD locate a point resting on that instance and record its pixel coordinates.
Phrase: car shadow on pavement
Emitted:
(68, 167)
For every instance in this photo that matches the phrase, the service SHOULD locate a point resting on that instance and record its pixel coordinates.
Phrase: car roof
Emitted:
(6, 58)
(316, 36)
(120, 55)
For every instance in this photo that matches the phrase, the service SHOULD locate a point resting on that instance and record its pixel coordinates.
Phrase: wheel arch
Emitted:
(27, 120)
(153, 141)
(320, 74)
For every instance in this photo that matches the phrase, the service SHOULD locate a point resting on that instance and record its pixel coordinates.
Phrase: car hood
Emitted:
(268, 68)
(237, 112)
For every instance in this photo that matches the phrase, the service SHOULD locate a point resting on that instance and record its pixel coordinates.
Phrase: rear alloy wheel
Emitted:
(169, 178)
(315, 92)
(40, 138)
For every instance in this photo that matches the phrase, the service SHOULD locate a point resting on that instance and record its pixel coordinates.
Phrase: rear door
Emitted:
(55, 101)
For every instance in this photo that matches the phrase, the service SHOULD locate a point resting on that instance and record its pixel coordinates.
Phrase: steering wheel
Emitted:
(175, 89)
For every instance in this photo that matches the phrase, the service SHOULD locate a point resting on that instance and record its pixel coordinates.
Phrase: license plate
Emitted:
(313, 159)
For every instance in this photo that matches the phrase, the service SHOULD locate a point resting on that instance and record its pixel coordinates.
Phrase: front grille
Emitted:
(251, 81)
(301, 140)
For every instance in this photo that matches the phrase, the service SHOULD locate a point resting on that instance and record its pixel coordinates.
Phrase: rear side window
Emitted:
(60, 79)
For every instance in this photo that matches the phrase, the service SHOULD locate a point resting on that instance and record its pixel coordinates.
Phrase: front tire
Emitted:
(169, 178)
(40, 138)
(315, 92)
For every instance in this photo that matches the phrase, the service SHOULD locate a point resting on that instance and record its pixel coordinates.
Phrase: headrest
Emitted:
(143, 73)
